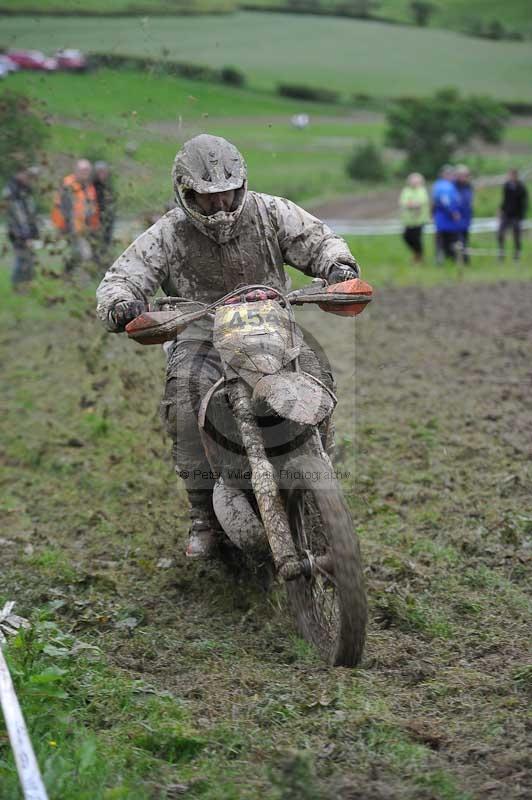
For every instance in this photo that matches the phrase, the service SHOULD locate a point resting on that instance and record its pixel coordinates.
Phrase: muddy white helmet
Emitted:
(208, 164)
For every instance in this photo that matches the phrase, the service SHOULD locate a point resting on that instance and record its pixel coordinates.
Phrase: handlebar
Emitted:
(156, 326)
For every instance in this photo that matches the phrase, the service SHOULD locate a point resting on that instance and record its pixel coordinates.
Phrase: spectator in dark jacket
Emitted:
(512, 212)
(22, 226)
(462, 181)
(106, 199)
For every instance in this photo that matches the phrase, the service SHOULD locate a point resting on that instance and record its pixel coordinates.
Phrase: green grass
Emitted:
(453, 14)
(134, 98)
(80, 715)
(144, 180)
(355, 56)
(458, 14)
(135, 7)
(385, 261)
(136, 677)
(137, 121)
(117, 116)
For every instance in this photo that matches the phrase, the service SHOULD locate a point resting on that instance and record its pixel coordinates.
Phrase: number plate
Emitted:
(265, 316)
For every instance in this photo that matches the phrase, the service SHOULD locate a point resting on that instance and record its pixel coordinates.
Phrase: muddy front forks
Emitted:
(264, 483)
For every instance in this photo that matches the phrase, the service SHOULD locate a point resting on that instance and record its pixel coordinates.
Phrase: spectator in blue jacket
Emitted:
(446, 214)
(464, 187)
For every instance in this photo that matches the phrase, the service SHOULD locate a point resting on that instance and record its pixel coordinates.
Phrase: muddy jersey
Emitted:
(176, 255)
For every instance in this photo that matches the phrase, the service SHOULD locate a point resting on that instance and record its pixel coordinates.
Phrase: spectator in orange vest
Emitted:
(75, 213)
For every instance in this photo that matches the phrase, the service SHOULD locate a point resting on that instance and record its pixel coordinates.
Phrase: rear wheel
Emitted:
(329, 605)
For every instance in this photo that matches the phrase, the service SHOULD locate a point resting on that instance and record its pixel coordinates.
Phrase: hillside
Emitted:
(136, 120)
(456, 15)
(113, 7)
(355, 56)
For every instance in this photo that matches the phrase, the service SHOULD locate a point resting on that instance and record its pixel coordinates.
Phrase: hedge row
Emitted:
(134, 8)
(314, 93)
(198, 72)
(232, 76)
(313, 8)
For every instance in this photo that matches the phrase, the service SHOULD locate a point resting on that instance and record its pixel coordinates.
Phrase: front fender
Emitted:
(296, 396)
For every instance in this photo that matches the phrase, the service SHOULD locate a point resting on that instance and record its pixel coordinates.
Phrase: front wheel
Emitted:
(329, 605)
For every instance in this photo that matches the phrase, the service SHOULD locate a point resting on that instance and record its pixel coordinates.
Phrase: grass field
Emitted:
(137, 121)
(136, 7)
(355, 56)
(453, 14)
(145, 677)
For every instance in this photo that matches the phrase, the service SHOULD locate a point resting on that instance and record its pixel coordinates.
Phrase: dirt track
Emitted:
(440, 484)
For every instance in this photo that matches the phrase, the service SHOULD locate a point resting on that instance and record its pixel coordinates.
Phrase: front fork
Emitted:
(264, 484)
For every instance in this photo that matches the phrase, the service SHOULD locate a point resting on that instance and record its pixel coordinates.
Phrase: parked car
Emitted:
(32, 59)
(7, 64)
(71, 59)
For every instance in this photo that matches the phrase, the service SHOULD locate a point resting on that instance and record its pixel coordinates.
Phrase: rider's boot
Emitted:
(204, 533)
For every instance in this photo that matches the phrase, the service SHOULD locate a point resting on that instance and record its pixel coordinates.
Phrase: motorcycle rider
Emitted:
(219, 236)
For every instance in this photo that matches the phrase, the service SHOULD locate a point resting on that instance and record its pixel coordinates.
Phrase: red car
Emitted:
(32, 59)
(71, 59)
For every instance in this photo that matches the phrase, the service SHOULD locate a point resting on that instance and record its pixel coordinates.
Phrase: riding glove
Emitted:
(342, 272)
(124, 312)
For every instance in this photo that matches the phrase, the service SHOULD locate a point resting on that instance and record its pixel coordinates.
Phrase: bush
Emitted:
(362, 100)
(366, 163)
(361, 9)
(23, 132)
(308, 93)
(493, 29)
(232, 76)
(303, 5)
(183, 69)
(516, 107)
(430, 130)
(422, 10)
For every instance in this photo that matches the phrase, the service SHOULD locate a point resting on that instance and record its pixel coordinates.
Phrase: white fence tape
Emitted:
(27, 767)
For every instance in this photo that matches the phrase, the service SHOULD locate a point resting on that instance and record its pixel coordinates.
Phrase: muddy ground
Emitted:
(435, 440)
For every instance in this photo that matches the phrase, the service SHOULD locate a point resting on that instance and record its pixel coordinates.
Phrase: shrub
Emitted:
(362, 100)
(183, 69)
(232, 76)
(366, 163)
(516, 107)
(23, 132)
(361, 9)
(430, 130)
(422, 11)
(493, 29)
(308, 93)
(303, 5)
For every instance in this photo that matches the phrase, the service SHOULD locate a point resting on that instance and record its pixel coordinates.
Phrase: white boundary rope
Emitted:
(27, 767)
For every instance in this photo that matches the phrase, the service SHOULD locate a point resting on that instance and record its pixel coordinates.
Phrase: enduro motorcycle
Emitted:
(265, 427)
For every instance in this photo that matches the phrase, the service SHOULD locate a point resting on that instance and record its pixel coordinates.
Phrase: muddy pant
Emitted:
(24, 266)
(445, 245)
(463, 238)
(412, 238)
(193, 367)
(514, 224)
(80, 251)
